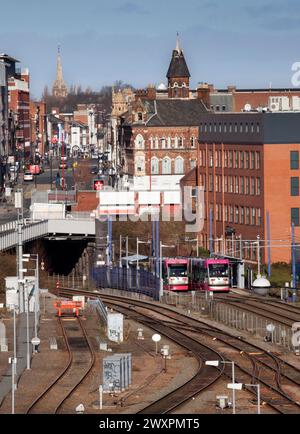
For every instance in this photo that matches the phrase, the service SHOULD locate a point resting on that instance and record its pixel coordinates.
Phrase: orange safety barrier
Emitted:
(65, 305)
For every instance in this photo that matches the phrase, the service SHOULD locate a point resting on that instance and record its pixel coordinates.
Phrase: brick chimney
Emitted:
(151, 92)
(231, 89)
(203, 93)
(25, 75)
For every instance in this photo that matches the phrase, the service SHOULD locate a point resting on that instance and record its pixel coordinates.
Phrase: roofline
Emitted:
(270, 90)
(7, 57)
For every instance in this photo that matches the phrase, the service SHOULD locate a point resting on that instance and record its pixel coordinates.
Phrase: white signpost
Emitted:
(156, 338)
(115, 327)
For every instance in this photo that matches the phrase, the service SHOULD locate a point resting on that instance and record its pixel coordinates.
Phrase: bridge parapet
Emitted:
(31, 230)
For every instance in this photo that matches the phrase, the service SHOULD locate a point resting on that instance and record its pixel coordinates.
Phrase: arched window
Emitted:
(154, 166)
(192, 142)
(163, 143)
(176, 142)
(180, 142)
(139, 164)
(179, 165)
(166, 166)
(151, 142)
(156, 142)
(169, 142)
(139, 141)
(193, 164)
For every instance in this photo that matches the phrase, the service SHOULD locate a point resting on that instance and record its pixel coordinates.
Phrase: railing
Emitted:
(233, 317)
(127, 279)
(62, 196)
(80, 215)
(100, 308)
(30, 231)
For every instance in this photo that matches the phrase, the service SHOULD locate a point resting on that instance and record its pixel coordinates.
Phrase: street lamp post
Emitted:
(15, 344)
(197, 244)
(26, 258)
(258, 395)
(258, 256)
(13, 362)
(137, 253)
(23, 281)
(127, 264)
(100, 396)
(239, 386)
(137, 250)
(120, 255)
(216, 363)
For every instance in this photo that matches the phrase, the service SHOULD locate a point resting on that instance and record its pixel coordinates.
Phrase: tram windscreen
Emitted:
(218, 270)
(179, 270)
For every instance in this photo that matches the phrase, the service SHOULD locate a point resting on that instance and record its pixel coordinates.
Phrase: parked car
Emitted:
(28, 176)
(94, 170)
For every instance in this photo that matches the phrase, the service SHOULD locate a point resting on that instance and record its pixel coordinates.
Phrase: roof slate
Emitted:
(177, 112)
(178, 66)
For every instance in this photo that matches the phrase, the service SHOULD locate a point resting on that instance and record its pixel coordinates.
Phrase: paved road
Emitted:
(8, 212)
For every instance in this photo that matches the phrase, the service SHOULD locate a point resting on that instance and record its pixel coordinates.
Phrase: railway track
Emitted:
(279, 312)
(261, 370)
(202, 380)
(261, 366)
(81, 359)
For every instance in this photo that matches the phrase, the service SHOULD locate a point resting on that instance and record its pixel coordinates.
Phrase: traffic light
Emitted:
(98, 184)
(57, 285)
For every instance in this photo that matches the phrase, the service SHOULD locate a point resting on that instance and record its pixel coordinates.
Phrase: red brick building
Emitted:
(159, 135)
(37, 125)
(18, 100)
(249, 166)
(18, 104)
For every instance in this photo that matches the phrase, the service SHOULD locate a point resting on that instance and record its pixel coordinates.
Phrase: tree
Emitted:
(101, 98)
(45, 93)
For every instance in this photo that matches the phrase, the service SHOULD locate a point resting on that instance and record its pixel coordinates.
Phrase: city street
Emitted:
(149, 211)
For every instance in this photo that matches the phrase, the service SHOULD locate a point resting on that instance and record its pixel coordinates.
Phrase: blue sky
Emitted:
(241, 42)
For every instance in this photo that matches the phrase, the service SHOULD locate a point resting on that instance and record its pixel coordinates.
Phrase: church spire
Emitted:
(178, 74)
(59, 87)
(177, 43)
(59, 76)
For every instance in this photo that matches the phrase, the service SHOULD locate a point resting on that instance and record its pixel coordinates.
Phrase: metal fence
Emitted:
(231, 316)
(127, 279)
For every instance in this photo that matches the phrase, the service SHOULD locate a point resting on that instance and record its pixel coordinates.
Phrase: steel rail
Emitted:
(65, 371)
(215, 330)
(59, 376)
(90, 367)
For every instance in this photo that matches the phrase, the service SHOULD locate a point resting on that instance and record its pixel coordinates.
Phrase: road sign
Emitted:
(98, 184)
(35, 341)
(156, 337)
